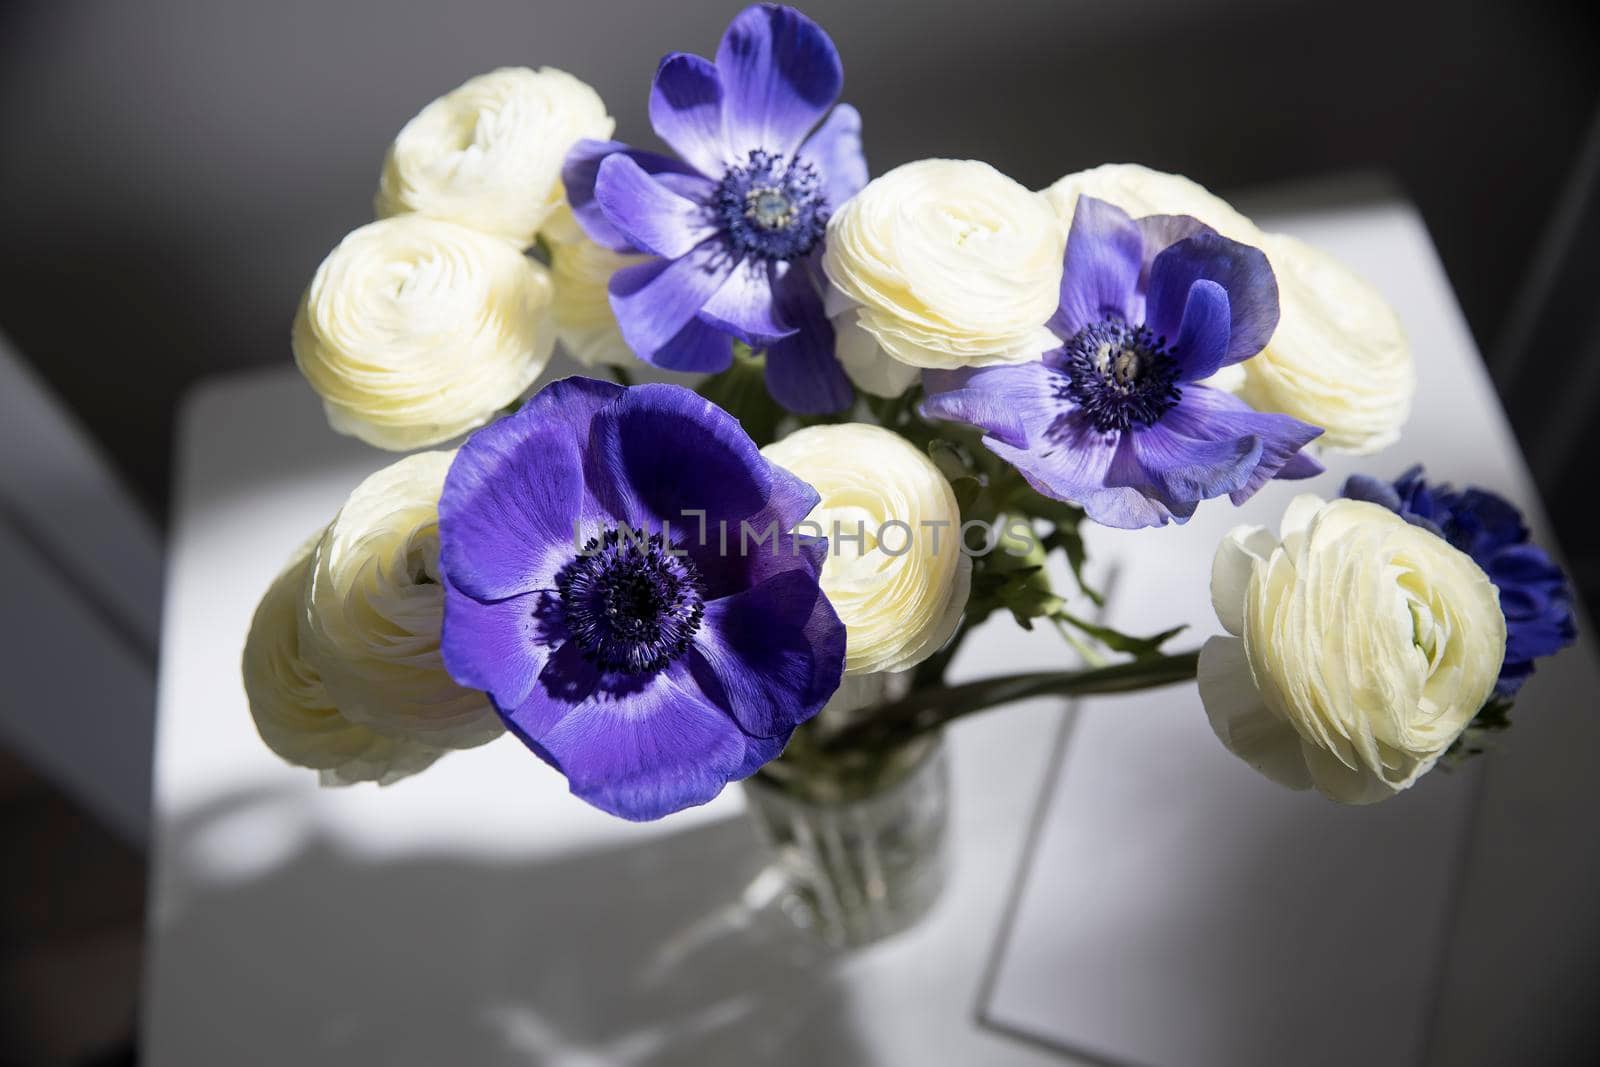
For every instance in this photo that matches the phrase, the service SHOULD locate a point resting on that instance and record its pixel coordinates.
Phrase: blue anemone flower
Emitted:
(1115, 420)
(1535, 596)
(738, 222)
(648, 660)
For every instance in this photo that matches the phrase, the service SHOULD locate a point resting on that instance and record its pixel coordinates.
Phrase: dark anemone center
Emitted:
(629, 603)
(772, 206)
(1119, 376)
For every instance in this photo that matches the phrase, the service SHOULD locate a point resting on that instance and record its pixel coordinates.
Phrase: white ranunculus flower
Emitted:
(292, 710)
(1339, 358)
(585, 324)
(374, 610)
(414, 330)
(944, 263)
(1141, 191)
(901, 586)
(1362, 647)
(489, 154)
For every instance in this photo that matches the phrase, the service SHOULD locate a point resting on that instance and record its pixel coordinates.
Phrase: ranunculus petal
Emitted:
(489, 153)
(834, 150)
(415, 330)
(1241, 549)
(780, 74)
(746, 306)
(374, 609)
(654, 301)
(1100, 280)
(1242, 721)
(686, 111)
(1371, 640)
(802, 372)
(893, 568)
(1241, 270)
(652, 217)
(582, 170)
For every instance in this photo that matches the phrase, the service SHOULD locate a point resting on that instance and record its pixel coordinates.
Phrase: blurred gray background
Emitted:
(172, 171)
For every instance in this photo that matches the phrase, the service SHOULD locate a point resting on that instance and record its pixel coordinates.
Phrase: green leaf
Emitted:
(1117, 641)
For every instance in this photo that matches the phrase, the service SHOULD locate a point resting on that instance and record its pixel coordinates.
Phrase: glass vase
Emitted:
(861, 839)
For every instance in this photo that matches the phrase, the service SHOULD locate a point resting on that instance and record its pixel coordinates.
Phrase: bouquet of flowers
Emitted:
(912, 391)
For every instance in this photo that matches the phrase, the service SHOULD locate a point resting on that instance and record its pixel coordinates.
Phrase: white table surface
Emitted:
(478, 914)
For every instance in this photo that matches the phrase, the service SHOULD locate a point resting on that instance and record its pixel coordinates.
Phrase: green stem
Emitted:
(930, 709)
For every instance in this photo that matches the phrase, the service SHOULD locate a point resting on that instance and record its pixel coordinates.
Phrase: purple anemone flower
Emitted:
(738, 224)
(592, 591)
(1115, 420)
(1535, 596)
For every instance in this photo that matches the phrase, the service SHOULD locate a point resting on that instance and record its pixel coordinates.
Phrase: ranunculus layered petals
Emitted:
(1242, 272)
(894, 571)
(1242, 721)
(834, 151)
(375, 607)
(865, 363)
(293, 712)
(1105, 252)
(506, 529)
(652, 217)
(947, 263)
(780, 74)
(414, 330)
(686, 107)
(1373, 640)
(654, 301)
(489, 154)
(1141, 192)
(1339, 358)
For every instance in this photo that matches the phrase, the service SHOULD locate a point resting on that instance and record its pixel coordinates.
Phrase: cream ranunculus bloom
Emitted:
(489, 154)
(1362, 647)
(901, 587)
(942, 263)
(1339, 358)
(581, 270)
(414, 331)
(292, 710)
(374, 610)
